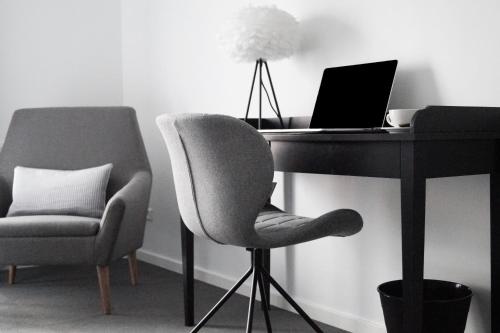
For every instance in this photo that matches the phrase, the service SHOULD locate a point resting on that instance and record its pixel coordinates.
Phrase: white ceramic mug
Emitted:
(400, 117)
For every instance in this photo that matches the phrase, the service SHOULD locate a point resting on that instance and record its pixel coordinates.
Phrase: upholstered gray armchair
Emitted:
(223, 172)
(69, 139)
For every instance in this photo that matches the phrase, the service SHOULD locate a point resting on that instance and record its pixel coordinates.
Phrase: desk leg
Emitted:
(188, 275)
(495, 241)
(413, 236)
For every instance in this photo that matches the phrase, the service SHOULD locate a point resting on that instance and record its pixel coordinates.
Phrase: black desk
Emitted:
(444, 142)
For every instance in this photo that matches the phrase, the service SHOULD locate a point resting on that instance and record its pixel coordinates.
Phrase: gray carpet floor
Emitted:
(66, 299)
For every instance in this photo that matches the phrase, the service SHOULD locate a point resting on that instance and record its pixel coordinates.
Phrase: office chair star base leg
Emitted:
(259, 278)
(251, 302)
(265, 302)
(221, 302)
(290, 301)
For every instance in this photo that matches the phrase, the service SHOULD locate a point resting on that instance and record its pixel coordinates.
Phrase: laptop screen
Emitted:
(354, 96)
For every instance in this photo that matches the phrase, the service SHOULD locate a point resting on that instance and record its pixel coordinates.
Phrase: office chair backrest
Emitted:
(73, 138)
(223, 171)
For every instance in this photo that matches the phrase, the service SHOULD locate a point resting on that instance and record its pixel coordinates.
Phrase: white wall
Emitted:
(448, 54)
(59, 53)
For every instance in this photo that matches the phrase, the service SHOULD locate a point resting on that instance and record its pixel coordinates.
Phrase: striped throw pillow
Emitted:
(59, 192)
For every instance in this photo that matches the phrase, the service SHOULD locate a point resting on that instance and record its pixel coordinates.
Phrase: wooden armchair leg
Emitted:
(132, 266)
(12, 274)
(103, 276)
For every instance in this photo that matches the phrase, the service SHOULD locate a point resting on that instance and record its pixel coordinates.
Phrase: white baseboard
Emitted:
(322, 313)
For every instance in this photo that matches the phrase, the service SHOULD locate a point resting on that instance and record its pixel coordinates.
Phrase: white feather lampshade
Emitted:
(260, 32)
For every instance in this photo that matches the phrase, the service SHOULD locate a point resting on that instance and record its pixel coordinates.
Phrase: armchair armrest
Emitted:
(5, 197)
(123, 221)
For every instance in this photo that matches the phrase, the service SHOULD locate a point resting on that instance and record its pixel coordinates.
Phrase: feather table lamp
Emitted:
(260, 34)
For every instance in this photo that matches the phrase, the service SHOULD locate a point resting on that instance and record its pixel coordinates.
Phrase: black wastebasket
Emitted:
(446, 306)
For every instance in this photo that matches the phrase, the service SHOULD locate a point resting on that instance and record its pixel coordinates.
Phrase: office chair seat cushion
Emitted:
(59, 192)
(277, 228)
(48, 226)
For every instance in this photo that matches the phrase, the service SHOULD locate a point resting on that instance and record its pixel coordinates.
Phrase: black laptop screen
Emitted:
(354, 96)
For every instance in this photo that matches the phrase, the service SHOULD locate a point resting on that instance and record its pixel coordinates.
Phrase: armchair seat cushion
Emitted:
(48, 226)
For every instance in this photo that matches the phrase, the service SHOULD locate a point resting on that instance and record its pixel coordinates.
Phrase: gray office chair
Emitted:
(223, 172)
(77, 138)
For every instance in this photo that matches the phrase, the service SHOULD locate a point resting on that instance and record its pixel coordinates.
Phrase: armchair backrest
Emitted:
(223, 171)
(73, 138)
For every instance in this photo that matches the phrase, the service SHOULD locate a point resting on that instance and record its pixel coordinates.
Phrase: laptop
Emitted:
(351, 99)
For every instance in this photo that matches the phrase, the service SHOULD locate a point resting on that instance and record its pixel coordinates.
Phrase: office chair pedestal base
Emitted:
(259, 277)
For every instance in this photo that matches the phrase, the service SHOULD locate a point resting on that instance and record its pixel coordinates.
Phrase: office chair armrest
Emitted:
(123, 221)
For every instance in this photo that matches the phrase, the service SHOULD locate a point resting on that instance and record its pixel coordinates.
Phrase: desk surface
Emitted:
(449, 141)
(410, 136)
(431, 123)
